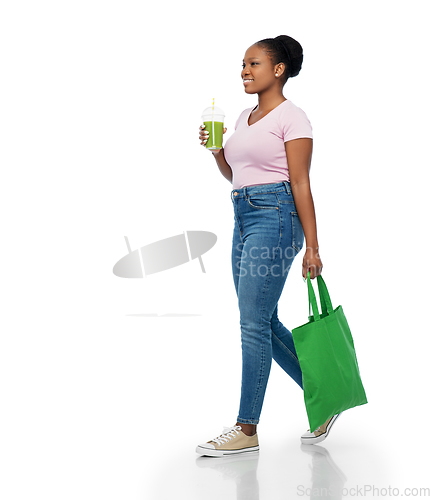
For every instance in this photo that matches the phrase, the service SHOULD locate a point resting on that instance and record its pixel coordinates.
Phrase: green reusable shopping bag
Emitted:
(326, 354)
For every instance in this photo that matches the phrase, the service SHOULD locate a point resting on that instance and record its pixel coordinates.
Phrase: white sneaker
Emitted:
(231, 442)
(320, 433)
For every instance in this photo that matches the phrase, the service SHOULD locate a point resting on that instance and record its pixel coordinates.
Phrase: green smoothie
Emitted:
(216, 141)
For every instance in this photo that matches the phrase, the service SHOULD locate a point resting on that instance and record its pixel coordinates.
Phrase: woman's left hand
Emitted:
(312, 263)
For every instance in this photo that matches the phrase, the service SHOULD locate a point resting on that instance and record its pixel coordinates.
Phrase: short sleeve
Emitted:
(295, 124)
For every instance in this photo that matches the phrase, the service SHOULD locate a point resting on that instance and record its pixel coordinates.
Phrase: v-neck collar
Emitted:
(263, 117)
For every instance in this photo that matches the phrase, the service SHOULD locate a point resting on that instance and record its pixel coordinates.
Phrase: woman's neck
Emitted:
(268, 101)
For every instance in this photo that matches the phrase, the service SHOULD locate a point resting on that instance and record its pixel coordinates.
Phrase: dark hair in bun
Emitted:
(284, 49)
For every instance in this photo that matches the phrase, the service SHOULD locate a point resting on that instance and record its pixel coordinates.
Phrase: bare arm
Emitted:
(299, 152)
(223, 165)
(218, 154)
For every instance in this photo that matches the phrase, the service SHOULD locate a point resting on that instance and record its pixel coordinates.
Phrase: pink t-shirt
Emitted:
(256, 153)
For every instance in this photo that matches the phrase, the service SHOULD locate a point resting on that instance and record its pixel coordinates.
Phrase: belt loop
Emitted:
(245, 191)
(286, 185)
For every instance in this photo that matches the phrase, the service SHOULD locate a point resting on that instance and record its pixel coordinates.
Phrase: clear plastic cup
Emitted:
(213, 120)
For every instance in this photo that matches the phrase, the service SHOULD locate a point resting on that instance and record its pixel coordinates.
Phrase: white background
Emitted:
(100, 108)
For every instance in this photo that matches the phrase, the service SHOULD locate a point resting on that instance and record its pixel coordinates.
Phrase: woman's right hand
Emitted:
(203, 137)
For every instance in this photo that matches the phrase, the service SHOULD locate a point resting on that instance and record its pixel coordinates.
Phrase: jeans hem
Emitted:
(251, 421)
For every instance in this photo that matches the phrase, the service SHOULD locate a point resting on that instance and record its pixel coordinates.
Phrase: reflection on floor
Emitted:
(327, 479)
(240, 469)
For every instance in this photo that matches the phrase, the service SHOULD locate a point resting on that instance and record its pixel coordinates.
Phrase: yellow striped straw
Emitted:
(213, 134)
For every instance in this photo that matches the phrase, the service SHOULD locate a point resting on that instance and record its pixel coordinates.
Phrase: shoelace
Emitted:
(228, 434)
(320, 429)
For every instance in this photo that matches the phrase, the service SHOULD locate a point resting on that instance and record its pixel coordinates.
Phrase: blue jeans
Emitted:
(266, 238)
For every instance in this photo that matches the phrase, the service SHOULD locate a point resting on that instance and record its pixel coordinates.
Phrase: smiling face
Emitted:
(258, 72)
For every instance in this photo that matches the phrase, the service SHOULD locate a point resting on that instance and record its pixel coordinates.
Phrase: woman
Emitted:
(267, 160)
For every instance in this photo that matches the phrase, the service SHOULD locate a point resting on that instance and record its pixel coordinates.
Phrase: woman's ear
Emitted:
(279, 70)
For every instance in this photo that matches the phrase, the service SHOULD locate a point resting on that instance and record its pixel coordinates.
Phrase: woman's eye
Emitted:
(251, 64)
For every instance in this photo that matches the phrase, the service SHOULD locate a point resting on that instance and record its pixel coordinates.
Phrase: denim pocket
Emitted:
(297, 232)
(267, 200)
(285, 197)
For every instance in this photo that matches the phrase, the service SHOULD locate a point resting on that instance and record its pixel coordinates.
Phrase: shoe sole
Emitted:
(322, 437)
(220, 453)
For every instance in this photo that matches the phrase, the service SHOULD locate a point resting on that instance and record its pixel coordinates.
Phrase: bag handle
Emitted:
(312, 303)
(325, 300)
